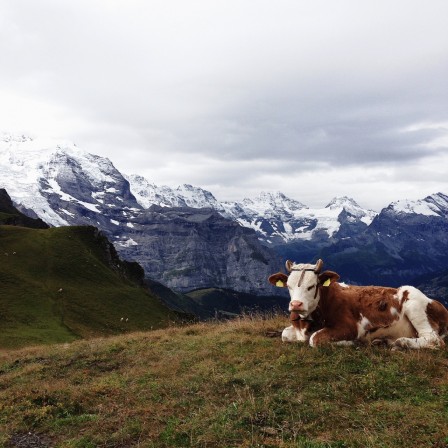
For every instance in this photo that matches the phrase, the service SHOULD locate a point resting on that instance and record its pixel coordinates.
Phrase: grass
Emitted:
(222, 385)
(61, 284)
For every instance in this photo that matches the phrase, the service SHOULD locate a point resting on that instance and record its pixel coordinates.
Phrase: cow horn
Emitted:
(289, 265)
(318, 266)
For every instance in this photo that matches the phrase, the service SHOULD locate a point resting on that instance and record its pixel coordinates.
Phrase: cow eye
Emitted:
(311, 287)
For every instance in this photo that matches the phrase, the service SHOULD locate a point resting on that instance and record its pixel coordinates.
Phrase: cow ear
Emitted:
(278, 280)
(289, 264)
(328, 277)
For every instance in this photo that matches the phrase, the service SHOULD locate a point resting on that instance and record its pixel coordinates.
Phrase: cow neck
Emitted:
(325, 305)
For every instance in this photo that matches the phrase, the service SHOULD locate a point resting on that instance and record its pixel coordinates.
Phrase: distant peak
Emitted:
(439, 198)
(274, 197)
(135, 177)
(195, 191)
(341, 201)
(271, 195)
(188, 187)
(11, 137)
(276, 201)
(433, 205)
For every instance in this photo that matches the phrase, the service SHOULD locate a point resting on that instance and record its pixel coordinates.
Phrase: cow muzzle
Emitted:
(296, 305)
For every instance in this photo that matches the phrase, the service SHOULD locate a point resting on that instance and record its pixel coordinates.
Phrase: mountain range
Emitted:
(187, 239)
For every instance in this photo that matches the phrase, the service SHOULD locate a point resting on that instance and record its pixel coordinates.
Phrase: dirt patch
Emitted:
(29, 440)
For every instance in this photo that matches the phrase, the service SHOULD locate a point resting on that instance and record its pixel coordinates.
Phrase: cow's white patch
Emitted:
(399, 328)
(312, 343)
(292, 334)
(415, 310)
(344, 285)
(394, 312)
(345, 343)
(363, 326)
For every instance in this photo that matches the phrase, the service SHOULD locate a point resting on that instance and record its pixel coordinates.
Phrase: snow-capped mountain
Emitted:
(159, 227)
(279, 219)
(433, 205)
(64, 185)
(147, 194)
(276, 218)
(405, 240)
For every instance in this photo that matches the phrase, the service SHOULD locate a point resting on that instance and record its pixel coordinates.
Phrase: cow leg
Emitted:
(345, 343)
(416, 310)
(340, 336)
(289, 334)
(426, 341)
(292, 334)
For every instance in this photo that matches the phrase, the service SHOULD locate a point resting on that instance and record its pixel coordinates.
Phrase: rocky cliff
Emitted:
(183, 246)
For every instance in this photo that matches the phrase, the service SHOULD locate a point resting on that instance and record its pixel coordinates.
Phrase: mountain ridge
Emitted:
(68, 186)
(403, 241)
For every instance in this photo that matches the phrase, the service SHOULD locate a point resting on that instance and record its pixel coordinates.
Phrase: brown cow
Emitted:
(403, 317)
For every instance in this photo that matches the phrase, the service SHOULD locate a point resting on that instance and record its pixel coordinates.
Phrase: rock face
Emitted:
(184, 246)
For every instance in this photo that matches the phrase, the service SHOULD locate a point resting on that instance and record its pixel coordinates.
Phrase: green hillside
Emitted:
(60, 284)
(221, 385)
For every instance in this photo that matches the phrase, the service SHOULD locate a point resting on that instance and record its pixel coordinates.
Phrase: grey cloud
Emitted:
(234, 89)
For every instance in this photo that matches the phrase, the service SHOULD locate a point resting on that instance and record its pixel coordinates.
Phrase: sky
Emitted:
(309, 97)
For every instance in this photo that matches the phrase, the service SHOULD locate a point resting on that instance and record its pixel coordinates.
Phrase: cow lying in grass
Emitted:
(328, 311)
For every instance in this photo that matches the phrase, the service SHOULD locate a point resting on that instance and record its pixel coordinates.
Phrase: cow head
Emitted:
(303, 283)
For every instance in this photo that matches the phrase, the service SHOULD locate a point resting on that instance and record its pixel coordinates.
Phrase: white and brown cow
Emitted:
(323, 310)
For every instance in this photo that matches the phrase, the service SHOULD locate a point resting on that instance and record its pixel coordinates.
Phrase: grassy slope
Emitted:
(36, 264)
(222, 385)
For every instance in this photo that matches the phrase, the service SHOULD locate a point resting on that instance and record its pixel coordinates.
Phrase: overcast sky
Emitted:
(312, 98)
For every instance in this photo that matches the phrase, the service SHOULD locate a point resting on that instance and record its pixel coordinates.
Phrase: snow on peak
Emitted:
(351, 206)
(7, 137)
(277, 201)
(341, 202)
(185, 195)
(31, 169)
(439, 201)
(433, 205)
(147, 193)
(197, 197)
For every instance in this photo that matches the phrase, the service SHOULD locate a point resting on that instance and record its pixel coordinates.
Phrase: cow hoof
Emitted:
(396, 348)
(400, 344)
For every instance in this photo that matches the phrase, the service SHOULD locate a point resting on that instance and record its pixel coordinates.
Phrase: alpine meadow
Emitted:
(224, 224)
